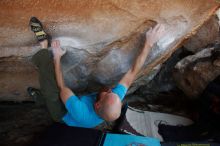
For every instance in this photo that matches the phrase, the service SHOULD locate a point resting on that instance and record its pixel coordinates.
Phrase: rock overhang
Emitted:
(102, 37)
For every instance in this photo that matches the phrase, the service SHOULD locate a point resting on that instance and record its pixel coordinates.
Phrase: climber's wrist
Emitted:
(147, 46)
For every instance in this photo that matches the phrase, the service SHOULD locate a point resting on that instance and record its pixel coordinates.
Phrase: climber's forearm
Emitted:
(65, 92)
(130, 76)
(58, 73)
(139, 62)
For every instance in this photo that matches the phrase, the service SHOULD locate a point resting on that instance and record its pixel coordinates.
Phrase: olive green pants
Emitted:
(49, 89)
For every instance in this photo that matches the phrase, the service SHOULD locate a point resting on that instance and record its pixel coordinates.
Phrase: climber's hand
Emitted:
(58, 52)
(154, 34)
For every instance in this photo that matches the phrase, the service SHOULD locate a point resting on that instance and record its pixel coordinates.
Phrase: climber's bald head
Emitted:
(108, 105)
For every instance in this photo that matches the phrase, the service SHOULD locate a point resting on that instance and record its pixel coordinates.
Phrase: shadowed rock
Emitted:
(193, 73)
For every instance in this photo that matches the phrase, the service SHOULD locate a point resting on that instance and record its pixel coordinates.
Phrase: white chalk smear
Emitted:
(70, 42)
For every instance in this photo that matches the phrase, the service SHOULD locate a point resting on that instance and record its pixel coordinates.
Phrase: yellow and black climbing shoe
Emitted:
(37, 28)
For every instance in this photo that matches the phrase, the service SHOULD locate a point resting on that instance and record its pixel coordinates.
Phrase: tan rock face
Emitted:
(207, 34)
(102, 37)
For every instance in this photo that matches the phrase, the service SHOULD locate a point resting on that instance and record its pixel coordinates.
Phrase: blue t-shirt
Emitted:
(81, 112)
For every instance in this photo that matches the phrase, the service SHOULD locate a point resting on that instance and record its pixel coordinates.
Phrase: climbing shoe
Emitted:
(37, 27)
(36, 95)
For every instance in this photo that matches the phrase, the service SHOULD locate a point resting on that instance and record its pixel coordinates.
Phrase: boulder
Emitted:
(193, 73)
(102, 39)
(206, 35)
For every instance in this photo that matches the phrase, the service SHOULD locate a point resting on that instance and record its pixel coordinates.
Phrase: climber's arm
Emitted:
(152, 36)
(129, 77)
(65, 92)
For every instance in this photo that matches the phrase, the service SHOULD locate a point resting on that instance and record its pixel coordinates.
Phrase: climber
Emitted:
(89, 110)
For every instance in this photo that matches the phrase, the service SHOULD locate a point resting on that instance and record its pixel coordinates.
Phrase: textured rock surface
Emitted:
(163, 81)
(16, 74)
(206, 35)
(193, 73)
(20, 123)
(102, 38)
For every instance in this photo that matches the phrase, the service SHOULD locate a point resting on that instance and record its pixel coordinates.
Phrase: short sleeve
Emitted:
(77, 109)
(120, 90)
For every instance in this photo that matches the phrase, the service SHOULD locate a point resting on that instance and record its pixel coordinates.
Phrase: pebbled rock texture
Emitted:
(102, 38)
